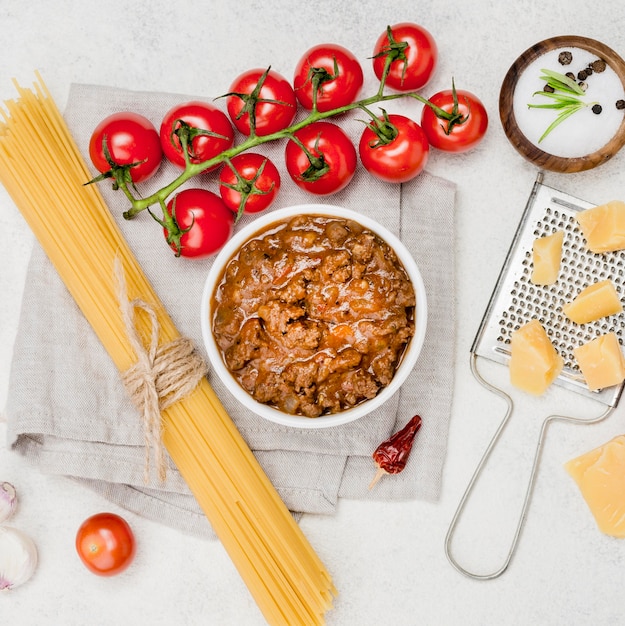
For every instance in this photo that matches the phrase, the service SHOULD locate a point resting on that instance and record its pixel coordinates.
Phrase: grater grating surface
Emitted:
(516, 300)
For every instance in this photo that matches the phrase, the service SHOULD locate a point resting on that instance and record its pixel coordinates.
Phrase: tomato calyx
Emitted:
(119, 173)
(385, 131)
(451, 118)
(247, 187)
(395, 51)
(186, 134)
(318, 164)
(170, 225)
(251, 100)
(319, 75)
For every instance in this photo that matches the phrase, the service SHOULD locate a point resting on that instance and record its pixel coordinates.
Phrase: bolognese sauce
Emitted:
(313, 314)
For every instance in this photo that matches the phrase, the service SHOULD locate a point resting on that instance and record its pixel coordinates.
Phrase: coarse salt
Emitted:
(582, 133)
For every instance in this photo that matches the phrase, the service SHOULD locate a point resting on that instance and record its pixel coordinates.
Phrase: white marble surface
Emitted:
(387, 559)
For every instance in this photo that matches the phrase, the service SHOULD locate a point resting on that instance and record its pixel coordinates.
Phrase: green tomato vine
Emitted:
(185, 134)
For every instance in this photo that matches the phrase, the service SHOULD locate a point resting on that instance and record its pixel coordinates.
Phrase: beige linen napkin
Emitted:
(68, 412)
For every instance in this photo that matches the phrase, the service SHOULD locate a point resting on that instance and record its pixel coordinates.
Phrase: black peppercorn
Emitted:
(548, 89)
(565, 57)
(570, 75)
(598, 66)
(596, 109)
(582, 75)
(620, 104)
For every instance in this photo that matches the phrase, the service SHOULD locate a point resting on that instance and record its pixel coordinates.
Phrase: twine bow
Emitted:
(162, 375)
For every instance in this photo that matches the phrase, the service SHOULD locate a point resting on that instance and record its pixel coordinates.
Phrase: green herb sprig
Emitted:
(566, 96)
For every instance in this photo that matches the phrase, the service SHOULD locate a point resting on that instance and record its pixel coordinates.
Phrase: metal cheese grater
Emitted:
(516, 301)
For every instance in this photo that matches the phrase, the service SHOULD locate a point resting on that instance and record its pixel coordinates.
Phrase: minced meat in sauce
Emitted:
(313, 315)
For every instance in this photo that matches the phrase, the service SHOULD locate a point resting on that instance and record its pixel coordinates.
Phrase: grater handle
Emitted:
(531, 481)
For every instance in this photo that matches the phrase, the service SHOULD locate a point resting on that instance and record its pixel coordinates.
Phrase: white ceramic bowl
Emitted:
(297, 421)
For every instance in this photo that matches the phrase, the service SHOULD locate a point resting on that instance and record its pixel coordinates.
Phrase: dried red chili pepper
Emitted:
(391, 455)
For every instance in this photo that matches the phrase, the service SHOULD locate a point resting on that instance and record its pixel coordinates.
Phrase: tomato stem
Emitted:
(318, 166)
(251, 100)
(318, 76)
(246, 187)
(186, 134)
(384, 129)
(171, 226)
(453, 117)
(119, 173)
(395, 51)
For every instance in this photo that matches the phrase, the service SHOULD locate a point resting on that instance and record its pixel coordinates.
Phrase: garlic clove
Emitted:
(18, 558)
(8, 501)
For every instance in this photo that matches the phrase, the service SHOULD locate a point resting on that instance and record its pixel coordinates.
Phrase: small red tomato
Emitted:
(249, 183)
(130, 140)
(105, 544)
(414, 56)
(204, 223)
(402, 157)
(330, 164)
(274, 107)
(208, 130)
(459, 136)
(337, 72)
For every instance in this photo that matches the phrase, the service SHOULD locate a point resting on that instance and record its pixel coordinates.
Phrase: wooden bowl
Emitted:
(530, 150)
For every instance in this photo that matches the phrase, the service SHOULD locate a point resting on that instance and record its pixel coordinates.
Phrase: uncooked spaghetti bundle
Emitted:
(44, 172)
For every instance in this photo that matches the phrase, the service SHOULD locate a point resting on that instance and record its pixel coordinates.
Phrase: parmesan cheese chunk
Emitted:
(601, 362)
(603, 226)
(594, 302)
(547, 255)
(534, 362)
(600, 476)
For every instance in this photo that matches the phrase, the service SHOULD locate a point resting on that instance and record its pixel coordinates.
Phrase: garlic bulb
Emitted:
(18, 557)
(8, 501)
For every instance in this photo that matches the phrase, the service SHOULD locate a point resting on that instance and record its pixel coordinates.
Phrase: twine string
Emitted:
(161, 376)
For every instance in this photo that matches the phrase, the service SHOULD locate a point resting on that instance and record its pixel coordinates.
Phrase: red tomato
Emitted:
(332, 160)
(402, 158)
(105, 544)
(131, 141)
(460, 135)
(335, 70)
(254, 185)
(204, 223)
(414, 56)
(267, 95)
(208, 130)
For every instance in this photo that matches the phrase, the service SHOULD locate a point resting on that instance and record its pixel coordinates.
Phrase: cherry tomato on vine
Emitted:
(414, 53)
(332, 161)
(105, 544)
(330, 70)
(127, 139)
(459, 136)
(207, 130)
(266, 95)
(399, 154)
(204, 223)
(255, 183)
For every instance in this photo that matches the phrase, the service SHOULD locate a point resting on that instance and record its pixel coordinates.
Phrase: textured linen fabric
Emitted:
(68, 411)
